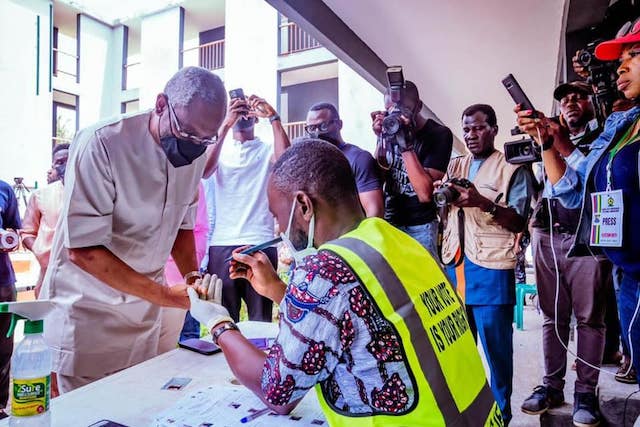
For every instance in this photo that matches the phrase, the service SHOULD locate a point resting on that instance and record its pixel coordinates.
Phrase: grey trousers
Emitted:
(582, 288)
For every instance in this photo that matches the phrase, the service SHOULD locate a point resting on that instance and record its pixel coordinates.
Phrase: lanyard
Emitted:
(624, 141)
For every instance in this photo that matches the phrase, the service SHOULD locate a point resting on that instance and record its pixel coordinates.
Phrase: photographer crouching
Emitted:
(413, 152)
(487, 201)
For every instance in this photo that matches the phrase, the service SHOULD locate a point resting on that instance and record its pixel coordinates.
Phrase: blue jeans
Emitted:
(628, 297)
(426, 234)
(191, 328)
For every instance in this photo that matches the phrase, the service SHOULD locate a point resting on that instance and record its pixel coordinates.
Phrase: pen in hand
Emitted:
(255, 415)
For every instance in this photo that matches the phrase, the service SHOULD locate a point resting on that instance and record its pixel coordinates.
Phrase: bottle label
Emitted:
(30, 397)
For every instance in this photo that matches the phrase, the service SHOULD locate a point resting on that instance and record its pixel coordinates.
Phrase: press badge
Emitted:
(606, 223)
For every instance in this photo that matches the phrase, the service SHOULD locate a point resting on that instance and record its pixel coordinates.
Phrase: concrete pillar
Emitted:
(99, 82)
(161, 39)
(251, 53)
(357, 98)
(25, 116)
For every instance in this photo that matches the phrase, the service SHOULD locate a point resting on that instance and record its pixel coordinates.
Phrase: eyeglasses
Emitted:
(629, 28)
(182, 134)
(320, 127)
(573, 97)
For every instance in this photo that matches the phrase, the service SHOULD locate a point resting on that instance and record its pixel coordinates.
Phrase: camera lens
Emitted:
(584, 58)
(525, 150)
(391, 124)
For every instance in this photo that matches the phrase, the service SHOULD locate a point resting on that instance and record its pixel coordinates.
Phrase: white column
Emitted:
(357, 99)
(100, 55)
(251, 53)
(25, 113)
(160, 52)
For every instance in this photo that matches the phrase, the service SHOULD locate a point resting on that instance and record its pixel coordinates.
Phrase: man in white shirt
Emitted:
(239, 170)
(131, 188)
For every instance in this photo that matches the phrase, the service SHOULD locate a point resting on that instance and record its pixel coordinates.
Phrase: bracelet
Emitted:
(191, 275)
(273, 118)
(226, 326)
(548, 144)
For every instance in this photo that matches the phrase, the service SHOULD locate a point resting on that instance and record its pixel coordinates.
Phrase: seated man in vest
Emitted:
(368, 317)
(494, 207)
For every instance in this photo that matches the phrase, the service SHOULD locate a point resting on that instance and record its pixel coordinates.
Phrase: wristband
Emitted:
(224, 327)
(548, 144)
(273, 118)
(191, 275)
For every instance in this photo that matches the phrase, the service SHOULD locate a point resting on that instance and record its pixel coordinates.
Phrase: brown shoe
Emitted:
(614, 358)
(623, 376)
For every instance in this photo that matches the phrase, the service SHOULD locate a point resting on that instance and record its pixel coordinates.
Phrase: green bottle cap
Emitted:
(33, 327)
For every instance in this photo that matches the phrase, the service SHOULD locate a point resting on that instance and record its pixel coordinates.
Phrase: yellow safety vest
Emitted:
(413, 294)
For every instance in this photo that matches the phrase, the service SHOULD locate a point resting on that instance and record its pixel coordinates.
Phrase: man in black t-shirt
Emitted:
(323, 122)
(408, 183)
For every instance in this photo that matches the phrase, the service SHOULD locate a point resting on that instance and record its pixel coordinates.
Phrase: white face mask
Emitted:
(299, 255)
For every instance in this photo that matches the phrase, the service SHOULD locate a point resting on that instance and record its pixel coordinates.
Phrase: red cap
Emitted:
(611, 49)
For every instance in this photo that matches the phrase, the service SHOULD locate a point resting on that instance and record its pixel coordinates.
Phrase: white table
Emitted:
(134, 396)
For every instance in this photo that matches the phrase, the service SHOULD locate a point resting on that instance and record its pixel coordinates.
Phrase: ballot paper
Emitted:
(223, 406)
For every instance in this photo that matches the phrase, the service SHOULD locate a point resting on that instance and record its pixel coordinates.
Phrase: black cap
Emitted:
(572, 87)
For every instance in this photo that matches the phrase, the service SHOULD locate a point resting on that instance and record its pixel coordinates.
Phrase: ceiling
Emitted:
(457, 52)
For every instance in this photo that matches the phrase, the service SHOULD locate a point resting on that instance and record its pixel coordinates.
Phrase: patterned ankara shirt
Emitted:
(332, 333)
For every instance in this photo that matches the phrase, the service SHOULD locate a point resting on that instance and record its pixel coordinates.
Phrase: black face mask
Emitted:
(329, 137)
(180, 152)
(243, 124)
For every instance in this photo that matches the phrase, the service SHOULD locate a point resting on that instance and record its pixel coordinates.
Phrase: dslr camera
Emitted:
(394, 130)
(602, 76)
(447, 194)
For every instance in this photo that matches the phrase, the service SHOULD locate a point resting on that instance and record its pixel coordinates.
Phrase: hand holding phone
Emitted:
(518, 95)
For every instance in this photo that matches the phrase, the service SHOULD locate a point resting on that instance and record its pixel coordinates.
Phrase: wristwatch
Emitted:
(273, 118)
(547, 144)
(492, 210)
(224, 327)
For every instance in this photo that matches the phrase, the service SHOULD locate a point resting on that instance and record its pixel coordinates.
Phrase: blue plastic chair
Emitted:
(522, 289)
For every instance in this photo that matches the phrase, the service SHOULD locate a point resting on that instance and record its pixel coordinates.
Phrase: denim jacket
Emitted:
(573, 187)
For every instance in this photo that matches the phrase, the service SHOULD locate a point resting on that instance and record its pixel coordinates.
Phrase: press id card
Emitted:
(606, 223)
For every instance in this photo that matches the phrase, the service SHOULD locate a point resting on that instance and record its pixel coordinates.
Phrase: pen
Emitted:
(255, 415)
(257, 248)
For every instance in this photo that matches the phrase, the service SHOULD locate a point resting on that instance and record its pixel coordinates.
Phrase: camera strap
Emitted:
(455, 262)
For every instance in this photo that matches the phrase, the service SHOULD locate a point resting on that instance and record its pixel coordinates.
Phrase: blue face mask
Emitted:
(180, 152)
(299, 254)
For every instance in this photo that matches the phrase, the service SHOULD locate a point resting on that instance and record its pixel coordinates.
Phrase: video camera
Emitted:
(394, 130)
(523, 150)
(602, 76)
(447, 194)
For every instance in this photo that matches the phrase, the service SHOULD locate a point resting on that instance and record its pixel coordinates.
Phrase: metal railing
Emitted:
(211, 55)
(295, 39)
(65, 63)
(294, 129)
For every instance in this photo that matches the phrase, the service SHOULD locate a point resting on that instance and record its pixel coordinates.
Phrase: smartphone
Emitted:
(516, 92)
(200, 346)
(236, 93)
(257, 248)
(107, 423)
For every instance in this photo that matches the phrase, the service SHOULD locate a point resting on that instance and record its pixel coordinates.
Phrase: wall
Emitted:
(302, 96)
(251, 39)
(160, 47)
(100, 70)
(212, 35)
(358, 99)
(25, 116)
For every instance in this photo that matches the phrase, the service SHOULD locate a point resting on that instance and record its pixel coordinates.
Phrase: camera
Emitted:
(446, 194)
(393, 128)
(524, 150)
(602, 76)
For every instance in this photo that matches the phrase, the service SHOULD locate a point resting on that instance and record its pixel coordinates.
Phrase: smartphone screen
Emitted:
(200, 346)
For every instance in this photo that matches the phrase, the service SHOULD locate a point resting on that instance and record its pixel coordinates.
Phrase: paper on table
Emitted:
(222, 406)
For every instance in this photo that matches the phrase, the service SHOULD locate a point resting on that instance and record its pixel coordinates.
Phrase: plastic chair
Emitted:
(522, 289)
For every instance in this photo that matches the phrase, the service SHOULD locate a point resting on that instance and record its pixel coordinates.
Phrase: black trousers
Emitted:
(7, 294)
(234, 291)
